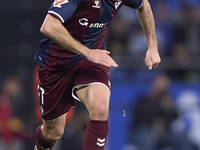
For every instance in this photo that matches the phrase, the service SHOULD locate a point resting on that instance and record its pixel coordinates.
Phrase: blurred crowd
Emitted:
(163, 122)
(177, 25)
(177, 31)
(167, 123)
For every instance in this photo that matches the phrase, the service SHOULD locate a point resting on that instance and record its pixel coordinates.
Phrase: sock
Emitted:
(95, 135)
(41, 143)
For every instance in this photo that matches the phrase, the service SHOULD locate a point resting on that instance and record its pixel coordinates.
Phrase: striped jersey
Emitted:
(87, 21)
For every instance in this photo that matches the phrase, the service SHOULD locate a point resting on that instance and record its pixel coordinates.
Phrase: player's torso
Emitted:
(89, 24)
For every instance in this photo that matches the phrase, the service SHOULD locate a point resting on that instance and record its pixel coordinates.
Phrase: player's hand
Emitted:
(101, 57)
(152, 59)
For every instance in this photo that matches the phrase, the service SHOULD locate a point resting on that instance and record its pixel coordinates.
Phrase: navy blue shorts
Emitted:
(57, 88)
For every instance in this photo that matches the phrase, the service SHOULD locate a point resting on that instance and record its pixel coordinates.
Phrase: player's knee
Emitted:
(103, 112)
(100, 112)
(55, 135)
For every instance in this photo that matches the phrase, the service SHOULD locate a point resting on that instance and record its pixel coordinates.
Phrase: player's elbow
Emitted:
(44, 29)
(50, 25)
(48, 29)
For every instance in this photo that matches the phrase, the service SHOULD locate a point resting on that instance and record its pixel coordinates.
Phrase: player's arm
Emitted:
(146, 19)
(53, 29)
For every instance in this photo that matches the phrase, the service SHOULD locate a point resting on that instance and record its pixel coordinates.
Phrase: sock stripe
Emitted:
(96, 133)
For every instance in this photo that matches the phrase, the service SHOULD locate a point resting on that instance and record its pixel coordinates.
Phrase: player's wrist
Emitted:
(86, 52)
(153, 46)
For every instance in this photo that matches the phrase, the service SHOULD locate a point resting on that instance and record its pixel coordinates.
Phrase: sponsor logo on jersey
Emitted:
(96, 2)
(58, 3)
(117, 4)
(84, 22)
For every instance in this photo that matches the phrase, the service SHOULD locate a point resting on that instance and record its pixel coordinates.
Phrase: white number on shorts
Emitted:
(42, 97)
(42, 93)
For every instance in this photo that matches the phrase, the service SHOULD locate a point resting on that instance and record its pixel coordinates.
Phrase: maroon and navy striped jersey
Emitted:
(87, 21)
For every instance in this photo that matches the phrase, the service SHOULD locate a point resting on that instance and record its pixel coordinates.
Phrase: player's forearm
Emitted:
(146, 19)
(54, 30)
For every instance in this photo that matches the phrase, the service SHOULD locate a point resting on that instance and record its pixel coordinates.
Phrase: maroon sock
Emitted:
(41, 142)
(95, 135)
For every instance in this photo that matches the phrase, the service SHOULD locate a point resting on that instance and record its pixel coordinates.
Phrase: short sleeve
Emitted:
(134, 3)
(63, 9)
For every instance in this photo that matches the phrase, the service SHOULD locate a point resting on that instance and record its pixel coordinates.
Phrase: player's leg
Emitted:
(54, 93)
(96, 99)
(49, 132)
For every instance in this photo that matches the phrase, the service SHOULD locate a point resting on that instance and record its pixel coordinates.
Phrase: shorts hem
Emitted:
(53, 119)
(57, 117)
(82, 85)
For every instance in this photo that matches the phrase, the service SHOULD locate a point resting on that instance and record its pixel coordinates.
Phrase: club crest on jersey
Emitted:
(96, 2)
(117, 4)
(58, 3)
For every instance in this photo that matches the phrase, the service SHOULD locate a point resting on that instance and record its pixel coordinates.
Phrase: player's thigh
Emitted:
(55, 127)
(94, 96)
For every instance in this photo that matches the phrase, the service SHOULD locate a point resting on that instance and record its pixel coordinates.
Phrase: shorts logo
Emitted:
(58, 3)
(109, 83)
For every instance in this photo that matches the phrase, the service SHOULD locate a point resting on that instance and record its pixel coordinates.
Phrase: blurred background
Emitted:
(149, 110)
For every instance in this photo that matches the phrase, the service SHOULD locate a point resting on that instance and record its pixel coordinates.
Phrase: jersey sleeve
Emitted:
(63, 9)
(134, 3)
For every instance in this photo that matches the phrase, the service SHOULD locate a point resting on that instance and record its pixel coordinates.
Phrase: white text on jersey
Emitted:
(84, 22)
